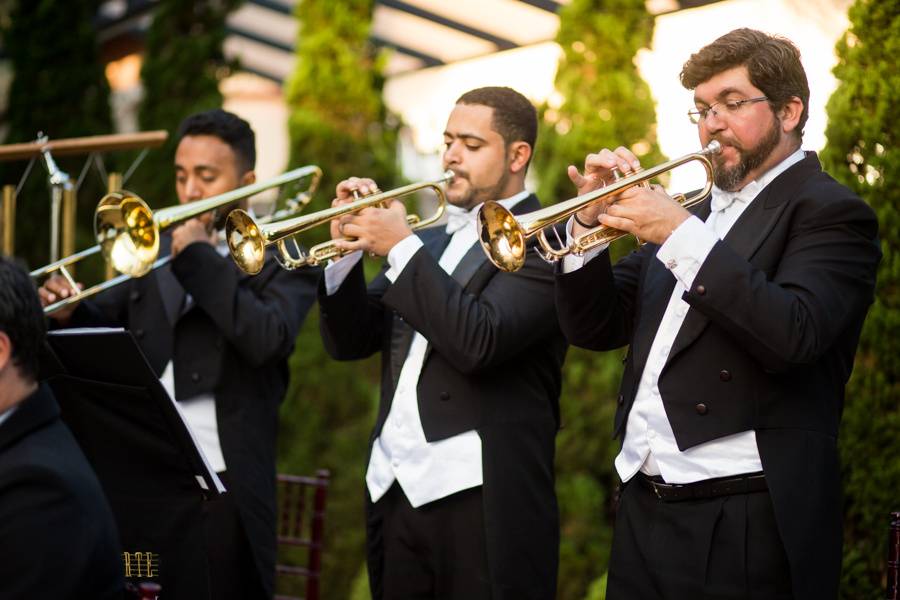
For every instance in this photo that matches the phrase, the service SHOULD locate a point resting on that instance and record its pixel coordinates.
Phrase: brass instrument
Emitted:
(503, 235)
(128, 231)
(248, 239)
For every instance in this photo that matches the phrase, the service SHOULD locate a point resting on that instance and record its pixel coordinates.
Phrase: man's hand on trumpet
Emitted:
(648, 213)
(373, 230)
(598, 173)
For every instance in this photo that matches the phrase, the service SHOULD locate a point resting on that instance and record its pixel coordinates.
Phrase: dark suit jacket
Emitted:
(233, 341)
(56, 529)
(768, 344)
(492, 364)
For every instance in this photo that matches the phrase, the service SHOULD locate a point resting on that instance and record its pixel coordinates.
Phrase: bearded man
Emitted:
(742, 321)
(461, 500)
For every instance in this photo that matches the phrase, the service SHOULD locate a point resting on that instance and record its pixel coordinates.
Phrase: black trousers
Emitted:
(232, 569)
(717, 548)
(436, 551)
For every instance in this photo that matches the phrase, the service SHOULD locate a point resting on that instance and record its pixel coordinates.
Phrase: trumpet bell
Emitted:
(245, 241)
(127, 233)
(501, 236)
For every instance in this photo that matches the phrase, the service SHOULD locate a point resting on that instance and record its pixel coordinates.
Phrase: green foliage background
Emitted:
(183, 65)
(338, 121)
(605, 102)
(862, 152)
(58, 87)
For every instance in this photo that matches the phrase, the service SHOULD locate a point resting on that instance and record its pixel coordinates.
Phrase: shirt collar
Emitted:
(459, 218)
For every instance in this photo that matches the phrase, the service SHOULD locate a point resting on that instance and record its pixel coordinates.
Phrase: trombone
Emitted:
(503, 236)
(128, 231)
(248, 239)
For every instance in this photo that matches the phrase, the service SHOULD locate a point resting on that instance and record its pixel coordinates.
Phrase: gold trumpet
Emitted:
(503, 236)
(128, 231)
(248, 239)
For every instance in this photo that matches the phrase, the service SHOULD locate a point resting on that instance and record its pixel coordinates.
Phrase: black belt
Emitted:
(708, 488)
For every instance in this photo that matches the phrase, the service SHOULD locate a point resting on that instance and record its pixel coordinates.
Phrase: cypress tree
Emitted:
(603, 103)
(337, 117)
(862, 152)
(58, 87)
(338, 121)
(183, 65)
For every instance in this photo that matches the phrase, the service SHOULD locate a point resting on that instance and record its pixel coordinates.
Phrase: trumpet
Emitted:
(248, 239)
(128, 231)
(503, 236)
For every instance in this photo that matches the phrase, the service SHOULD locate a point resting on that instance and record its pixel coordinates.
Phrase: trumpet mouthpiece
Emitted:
(714, 147)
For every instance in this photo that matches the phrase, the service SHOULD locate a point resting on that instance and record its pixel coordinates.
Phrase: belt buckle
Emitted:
(656, 490)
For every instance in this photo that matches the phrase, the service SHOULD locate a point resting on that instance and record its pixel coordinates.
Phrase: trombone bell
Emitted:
(127, 233)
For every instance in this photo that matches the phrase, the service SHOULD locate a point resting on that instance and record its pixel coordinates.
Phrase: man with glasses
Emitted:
(742, 320)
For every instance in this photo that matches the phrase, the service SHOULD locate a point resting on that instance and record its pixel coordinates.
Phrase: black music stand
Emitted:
(154, 475)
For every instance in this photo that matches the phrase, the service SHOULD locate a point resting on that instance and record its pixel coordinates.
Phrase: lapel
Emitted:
(435, 240)
(658, 285)
(170, 290)
(748, 233)
(475, 258)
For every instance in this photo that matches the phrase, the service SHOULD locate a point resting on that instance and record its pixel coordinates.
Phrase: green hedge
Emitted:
(183, 66)
(862, 152)
(58, 87)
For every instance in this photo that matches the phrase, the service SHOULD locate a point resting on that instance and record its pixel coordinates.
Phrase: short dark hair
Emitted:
(515, 117)
(21, 317)
(772, 61)
(228, 127)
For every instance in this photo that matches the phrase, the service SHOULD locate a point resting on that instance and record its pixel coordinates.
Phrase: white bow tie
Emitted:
(722, 200)
(458, 218)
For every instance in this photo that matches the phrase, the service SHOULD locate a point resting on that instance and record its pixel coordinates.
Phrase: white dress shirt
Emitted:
(7, 413)
(200, 411)
(649, 444)
(425, 471)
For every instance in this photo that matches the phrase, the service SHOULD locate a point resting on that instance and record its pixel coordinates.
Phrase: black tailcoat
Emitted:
(767, 345)
(493, 365)
(57, 533)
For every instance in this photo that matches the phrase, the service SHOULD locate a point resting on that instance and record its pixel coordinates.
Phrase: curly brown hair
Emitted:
(773, 63)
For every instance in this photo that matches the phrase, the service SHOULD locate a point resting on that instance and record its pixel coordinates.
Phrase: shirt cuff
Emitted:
(686, 249)
(336, 271)
(573, 262)
(400, 255)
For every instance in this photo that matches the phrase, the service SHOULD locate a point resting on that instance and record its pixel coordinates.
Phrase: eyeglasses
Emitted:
(731, 108)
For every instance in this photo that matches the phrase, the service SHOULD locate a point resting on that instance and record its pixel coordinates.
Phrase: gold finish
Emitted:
(84, 145)
(143, 565)
(69, 205)
(8, 220)
(503, 236)
(248, 240)
(128, 230)
(113, 184)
